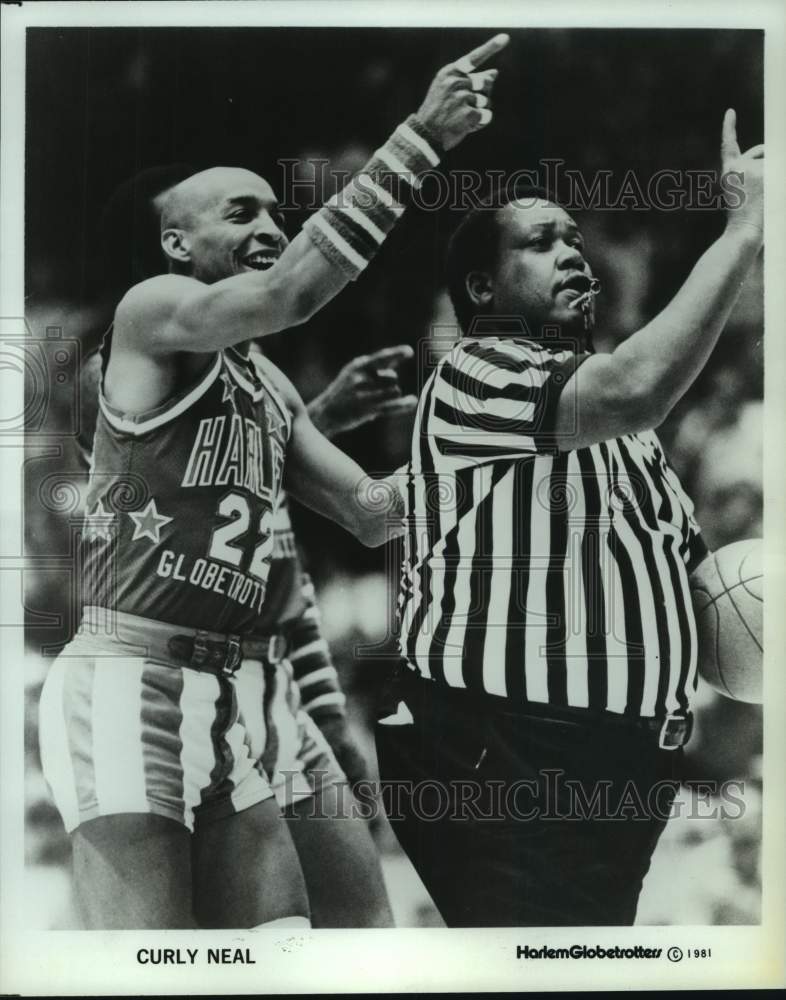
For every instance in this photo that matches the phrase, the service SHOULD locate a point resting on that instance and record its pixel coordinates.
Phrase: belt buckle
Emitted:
(233, 657)
(675, 731)
(200, 651)
(276, 648)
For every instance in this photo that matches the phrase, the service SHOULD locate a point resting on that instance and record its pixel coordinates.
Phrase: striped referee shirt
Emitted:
(537, 575)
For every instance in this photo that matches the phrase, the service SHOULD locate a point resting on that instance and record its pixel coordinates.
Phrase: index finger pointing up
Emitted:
(729, 145)
(482, 53)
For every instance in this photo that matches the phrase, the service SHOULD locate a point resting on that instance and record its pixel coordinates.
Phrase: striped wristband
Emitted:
(312, 664)
(351, 227)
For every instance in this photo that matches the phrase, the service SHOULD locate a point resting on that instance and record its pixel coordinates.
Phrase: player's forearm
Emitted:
(379, 508)
(366, 507)
(336, 245)
(351, 227)
(663, 359)
(328, 481)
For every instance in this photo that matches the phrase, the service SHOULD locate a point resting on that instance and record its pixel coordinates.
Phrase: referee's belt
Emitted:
(669, 733)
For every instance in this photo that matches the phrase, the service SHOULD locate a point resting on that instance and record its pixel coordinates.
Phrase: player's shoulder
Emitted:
(153, 301)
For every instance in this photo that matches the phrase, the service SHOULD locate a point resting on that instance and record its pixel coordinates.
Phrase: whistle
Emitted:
(584, 301)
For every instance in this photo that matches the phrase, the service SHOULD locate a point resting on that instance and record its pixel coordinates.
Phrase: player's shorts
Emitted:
(297, 759)
(125, 729)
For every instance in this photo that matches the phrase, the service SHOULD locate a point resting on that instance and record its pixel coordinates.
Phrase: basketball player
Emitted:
(309, 748)
(150, 726)
(547, 625)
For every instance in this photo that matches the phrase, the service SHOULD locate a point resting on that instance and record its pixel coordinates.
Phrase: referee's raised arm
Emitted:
(634, 388)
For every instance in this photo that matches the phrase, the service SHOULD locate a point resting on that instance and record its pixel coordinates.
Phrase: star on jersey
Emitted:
(98, 525)
(229, 389)
(276, 424)
(148, 523)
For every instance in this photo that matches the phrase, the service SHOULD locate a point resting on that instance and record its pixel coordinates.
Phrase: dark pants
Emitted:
(521, 822)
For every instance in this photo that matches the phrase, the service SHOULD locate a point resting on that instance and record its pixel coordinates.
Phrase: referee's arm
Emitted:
(634, 388)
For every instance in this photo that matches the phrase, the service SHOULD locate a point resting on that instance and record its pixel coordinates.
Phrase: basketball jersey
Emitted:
(285, 601)
(181, 501)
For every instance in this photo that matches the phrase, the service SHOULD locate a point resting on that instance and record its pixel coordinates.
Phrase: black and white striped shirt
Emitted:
(541, 576)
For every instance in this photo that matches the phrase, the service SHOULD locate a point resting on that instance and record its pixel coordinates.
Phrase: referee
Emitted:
(549, 645)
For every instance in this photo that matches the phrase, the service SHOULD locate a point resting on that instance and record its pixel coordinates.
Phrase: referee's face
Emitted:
(540, 268)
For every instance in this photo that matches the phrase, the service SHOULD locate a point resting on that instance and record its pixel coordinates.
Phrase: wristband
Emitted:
(312, 665)
(352, 226)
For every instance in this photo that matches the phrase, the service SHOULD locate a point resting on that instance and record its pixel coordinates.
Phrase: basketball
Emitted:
(728, 601)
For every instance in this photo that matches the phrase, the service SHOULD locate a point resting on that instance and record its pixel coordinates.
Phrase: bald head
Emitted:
(215, 223)
(180, 206)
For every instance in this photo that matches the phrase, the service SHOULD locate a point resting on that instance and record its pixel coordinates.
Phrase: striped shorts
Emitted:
(297, 759)
(124, 732)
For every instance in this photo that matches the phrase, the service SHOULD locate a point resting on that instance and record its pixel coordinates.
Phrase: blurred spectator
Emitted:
(705, 871)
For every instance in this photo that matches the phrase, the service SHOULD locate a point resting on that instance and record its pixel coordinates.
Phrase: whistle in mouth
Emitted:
(583, 301)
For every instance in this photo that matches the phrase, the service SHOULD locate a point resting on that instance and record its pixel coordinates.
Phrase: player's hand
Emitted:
(336, 731)
(747, 216)
(364, 390)
(458, 101)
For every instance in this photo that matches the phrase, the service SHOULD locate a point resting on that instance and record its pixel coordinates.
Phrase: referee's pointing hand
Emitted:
(458, 100)
(747, 216)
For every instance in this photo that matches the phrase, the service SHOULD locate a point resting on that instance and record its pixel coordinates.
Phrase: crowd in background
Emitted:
(599, 100)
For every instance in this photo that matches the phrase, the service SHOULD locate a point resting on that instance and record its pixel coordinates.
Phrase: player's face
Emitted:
(541, 268)
(237, 228)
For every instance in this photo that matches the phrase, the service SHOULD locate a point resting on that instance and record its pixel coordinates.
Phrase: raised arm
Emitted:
(636, 386)
(174, 313)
